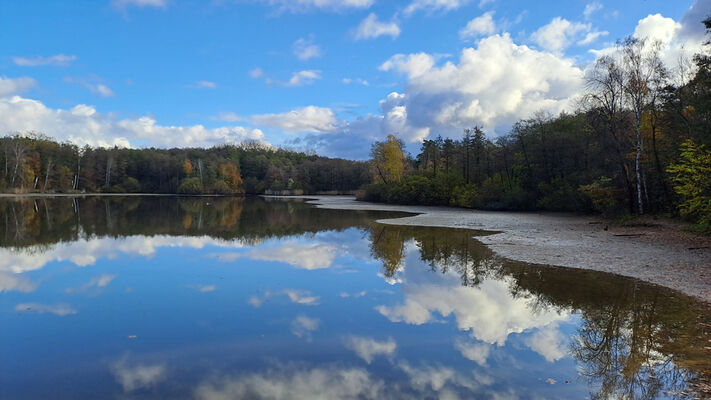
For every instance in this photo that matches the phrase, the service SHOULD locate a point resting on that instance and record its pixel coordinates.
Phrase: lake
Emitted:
(251, 298)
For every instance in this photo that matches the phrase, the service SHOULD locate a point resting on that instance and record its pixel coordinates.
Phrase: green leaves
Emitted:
(692, 181)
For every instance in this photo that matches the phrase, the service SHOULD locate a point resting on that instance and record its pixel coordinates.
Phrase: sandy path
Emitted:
(663, 254)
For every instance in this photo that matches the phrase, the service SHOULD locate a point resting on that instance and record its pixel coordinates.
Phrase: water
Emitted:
(243, 298)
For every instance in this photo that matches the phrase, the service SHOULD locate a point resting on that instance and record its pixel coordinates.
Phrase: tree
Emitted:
(642, 69)
(692, 178)
(388, 160)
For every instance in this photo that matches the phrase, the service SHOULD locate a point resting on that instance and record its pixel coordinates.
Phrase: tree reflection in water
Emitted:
(634, 340)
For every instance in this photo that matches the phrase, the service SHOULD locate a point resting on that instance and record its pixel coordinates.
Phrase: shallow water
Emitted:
(244, 298)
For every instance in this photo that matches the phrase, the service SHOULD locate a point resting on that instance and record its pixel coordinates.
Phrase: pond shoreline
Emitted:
(662, 254)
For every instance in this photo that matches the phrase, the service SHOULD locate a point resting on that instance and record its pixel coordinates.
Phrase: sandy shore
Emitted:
(661, 254)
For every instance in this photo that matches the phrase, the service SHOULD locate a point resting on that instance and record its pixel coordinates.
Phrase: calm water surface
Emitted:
(244, 298)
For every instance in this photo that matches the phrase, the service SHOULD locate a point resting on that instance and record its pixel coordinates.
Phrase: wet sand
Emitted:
(662, 254)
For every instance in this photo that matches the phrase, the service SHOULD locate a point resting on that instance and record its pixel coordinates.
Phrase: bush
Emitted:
(376, 193)
(465, 196)
(131, 185)
(220, 187)
(601, 195)
(190, 186)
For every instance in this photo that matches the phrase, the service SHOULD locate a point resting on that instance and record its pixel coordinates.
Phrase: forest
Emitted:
(637, 144)
(34, 163)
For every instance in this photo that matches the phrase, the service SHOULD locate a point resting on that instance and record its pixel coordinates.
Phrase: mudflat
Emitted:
(659, 252)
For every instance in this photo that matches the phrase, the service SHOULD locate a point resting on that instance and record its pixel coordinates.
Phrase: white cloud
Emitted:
(368, 348)
(481, 25)
(302, 326)
(97, 282)
(305, 119)
(86, 251)
(137, 376)
(256, 73)
(61, 310)
(591, 8)
(357, 81)
(122, 4)
(548, 342)
(204, 85)
(98, 89)
(353, 295)
(560, 33)
(204, 288)
(10, 86)
(296, 383)
(305, 49)
(303, 78)
(477, 352)
(322, 5)
(10, 282)
(657, 27)
(437, 5)
(82, 125)
(495, 84)
(296, 296)
(59, 60)
(308, 256)
(678, 40)
(371, 28)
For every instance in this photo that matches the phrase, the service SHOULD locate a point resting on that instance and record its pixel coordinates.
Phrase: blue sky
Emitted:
(327, 75)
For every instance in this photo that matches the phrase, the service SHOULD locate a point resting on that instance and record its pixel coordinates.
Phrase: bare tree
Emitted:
(641, 68)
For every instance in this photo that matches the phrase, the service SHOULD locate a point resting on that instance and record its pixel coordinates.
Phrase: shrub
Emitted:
(190, 186)
(131, 185)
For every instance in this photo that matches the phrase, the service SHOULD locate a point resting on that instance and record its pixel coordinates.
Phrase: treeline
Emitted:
(637, 146)
(34, 163)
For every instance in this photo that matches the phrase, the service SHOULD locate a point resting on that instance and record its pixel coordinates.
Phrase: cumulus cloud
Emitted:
(61, 310)
(678, 40)
(59, 60)
(304, 119)
(369, 348)
(308, 256)
(83, 124)
(436, 5)
(10, 86)
(477, 352)
(559, 34)
(481, 25)
(548, 342)
(296, 383)
(371, 28)
(87, 251)
(305, 49)
(303, 326)
(134, 376)
(494, 84)
(322, 5)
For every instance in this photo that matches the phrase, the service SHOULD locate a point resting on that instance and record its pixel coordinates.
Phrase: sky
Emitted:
(330, 76)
